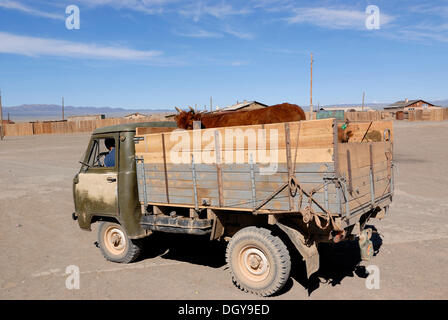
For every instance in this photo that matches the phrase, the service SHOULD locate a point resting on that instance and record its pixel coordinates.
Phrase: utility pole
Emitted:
(363, 95)
(1, 117)
(311, 89)
(211, 104)
(62, 108)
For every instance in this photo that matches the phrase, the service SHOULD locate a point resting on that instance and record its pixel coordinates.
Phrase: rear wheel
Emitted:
(258, 261)
(116, 245)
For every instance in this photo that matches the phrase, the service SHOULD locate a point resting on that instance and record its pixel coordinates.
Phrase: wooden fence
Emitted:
(414, 115)
(429, 115)
(67, 127)
(87, 126)
(362, 115)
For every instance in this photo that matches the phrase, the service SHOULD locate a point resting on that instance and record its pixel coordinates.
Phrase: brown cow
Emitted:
(284, 112)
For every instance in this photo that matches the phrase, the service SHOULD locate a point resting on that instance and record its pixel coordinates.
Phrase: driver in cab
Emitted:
(109, 159)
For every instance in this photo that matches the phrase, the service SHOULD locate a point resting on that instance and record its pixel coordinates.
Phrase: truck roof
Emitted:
(132, 126)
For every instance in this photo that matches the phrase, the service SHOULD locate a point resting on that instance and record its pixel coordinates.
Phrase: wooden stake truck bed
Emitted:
(284, 168)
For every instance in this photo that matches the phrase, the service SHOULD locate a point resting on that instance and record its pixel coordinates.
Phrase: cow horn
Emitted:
(192, 110)
(178, 110)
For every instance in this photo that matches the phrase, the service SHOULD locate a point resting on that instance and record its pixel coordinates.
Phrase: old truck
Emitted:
(266, 189)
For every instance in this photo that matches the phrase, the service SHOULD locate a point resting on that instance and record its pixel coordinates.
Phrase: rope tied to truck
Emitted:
(308, 213)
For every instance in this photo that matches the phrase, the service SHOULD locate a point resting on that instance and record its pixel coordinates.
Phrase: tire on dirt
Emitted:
(115, 244)
(258, 261)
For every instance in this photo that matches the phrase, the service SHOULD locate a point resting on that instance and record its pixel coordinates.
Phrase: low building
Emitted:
(406, 105)
(135, 115)
(87, 117)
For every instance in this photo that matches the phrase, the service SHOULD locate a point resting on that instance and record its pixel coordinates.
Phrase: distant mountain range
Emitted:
(32, 112)
(441, 103)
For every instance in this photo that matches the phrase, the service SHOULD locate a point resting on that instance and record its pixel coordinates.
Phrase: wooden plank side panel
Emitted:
(360, 155)
(363, 185)
(236, 198)
(360, 166)
(301, 168)
(381, 188)
(304, 155)
(313, 134)
(314, 156)
(243, 185)
(237, 186)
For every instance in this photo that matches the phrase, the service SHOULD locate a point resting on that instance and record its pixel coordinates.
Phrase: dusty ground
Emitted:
(38, 239)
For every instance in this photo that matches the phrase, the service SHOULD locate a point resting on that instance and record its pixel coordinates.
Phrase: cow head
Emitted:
(185, 119)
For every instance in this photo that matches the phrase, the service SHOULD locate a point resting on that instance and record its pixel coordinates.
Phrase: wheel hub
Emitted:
(254, 263)
(115, 240)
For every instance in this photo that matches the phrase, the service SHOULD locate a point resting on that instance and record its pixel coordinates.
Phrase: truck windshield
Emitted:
(97, 153)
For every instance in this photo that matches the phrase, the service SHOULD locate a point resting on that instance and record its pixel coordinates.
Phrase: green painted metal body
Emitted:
(327, 114)
(125, 207)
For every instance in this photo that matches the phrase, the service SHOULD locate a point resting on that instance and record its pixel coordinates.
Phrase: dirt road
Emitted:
(38, 239)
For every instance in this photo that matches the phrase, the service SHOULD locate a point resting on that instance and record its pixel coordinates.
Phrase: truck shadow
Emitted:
(337, 261)
(184, 248)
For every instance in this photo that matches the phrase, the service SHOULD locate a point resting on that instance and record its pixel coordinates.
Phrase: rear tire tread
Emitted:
(280, 251)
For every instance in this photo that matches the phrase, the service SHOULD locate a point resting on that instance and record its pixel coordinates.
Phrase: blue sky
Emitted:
(164, 53)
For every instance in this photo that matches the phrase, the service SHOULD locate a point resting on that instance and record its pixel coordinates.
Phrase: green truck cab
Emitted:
(109, 194)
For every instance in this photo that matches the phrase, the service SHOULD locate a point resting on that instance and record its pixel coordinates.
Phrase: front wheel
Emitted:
(258, 261)
(116, 245)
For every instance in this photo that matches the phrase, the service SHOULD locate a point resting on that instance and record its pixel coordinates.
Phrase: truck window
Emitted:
(102, 153)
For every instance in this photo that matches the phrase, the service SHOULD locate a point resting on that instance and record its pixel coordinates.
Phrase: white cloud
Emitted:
(286, 51)
(14, 5)
(33, 46)
(239, 34)
(198, 9)
(198, 34)
(333, 18)
(422, 36)
(427, 9)
(144, 6)
(239, 63)
(201, 33)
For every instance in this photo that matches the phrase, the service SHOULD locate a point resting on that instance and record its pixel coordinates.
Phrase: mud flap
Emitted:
(309, 253)
(365, 245)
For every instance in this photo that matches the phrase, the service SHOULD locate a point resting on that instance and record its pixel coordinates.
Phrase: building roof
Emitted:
(404, 104)
(133, 126)
(135, 114)
(241, 105)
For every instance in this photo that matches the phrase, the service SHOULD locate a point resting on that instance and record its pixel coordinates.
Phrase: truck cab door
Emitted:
(96, 184)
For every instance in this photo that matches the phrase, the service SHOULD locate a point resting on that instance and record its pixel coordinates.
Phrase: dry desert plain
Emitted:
(38, 239)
